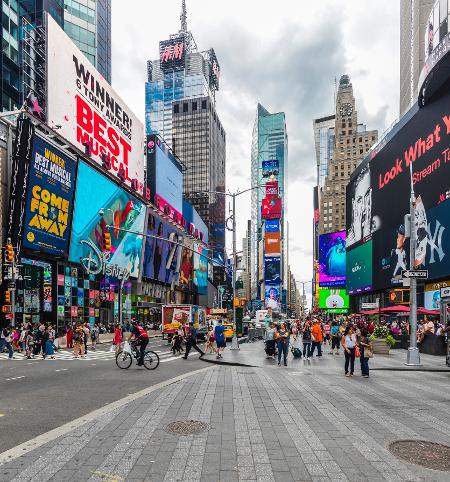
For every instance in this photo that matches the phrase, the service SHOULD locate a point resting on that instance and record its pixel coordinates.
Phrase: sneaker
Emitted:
(218, 357)
(365, 376)
(279, 363)
(347, 375)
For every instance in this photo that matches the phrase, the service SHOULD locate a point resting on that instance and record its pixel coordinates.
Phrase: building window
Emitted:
(194, 105)
(203, 104)
(185, 107)
(176, 108)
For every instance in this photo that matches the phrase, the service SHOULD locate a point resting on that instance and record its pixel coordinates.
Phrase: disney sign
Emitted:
(97, 262)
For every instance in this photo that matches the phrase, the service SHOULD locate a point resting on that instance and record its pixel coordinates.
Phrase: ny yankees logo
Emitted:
(435, 241)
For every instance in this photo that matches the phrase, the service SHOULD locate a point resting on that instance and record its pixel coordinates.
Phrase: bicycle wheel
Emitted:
(123, 360)
(151, 360)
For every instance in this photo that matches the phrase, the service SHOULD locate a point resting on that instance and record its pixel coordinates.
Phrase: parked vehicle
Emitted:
(175, 317)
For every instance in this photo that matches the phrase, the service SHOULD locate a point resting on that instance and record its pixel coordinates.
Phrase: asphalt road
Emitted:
(40, 395)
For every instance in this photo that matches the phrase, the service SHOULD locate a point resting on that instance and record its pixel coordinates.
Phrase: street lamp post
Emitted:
(303, 283)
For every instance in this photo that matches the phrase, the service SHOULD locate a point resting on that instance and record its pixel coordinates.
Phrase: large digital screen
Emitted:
(378, 196)
(272, 270)
(333, 299)
(272, 297)
(187, 263)
(49, 205)
(121, 211)
(271, 208)
(169, 179)
(86, 109)
(359, 269)
(162, 250)
(332, 259)
(272, 226)
(272, 244)
(200, 268)
(270, 168)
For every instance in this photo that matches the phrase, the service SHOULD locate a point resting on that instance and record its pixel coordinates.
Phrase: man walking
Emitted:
(5, 341)
(191, 341)
(317, 338)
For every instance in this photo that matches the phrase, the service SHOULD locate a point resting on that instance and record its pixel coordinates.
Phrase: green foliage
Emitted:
(380, 331)
(390, 341)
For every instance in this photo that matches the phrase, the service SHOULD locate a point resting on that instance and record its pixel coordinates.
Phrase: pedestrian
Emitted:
(69, 336)
(283, 344)
(177, 341)
(5, 341)
(366, 352)
(335, 338)
(78, 341)
(86, 332)
(49, 348)
(326, 333)
(316, 338)
(210, 340)
(306, 338)
(44, 338)
(94, 336)
(270, 342)
(349, 344)
(297, 345)
(219, 335)
(117, 340)
(191, 341)
(15, 337)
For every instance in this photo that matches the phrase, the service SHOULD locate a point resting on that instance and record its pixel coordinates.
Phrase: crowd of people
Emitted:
(29, 340)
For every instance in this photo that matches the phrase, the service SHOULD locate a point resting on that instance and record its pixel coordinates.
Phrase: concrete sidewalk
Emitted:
(262, 424)
(253, 355)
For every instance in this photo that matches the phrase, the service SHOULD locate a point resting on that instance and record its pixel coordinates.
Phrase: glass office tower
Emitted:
(269, 142)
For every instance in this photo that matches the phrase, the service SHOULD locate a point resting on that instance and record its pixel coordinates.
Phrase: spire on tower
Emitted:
(183, 16)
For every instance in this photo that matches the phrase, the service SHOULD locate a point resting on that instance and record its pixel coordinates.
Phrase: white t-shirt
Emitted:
(350, 341)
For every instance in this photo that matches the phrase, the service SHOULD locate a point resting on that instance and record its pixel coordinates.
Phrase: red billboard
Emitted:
(271, 189)
(271, 208)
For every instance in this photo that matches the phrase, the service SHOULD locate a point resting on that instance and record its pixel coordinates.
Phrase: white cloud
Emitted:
(284, 54)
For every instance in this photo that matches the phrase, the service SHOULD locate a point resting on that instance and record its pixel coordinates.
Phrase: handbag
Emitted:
(357, 352)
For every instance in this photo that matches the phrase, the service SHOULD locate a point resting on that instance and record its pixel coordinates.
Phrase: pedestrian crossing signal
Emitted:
(106, 242)
(7, 296)
(9, 253)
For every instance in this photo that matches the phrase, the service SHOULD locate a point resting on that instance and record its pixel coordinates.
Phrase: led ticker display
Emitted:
(332, 256)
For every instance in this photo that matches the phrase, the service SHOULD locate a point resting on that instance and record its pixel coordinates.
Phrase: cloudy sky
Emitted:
(285, 55)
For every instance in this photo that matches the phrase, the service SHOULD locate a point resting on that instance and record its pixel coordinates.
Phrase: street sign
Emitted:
(445, 292)
(415, 273)
(369, 306)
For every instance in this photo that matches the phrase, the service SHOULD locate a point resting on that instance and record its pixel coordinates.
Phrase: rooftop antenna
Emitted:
(183, 17)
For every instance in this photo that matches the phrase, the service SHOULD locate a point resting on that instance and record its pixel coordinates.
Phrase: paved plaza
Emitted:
(265, 424)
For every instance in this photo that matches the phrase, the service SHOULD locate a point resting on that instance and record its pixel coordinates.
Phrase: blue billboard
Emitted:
(169, 179)
(270, 168)
(49, 206)
(162, 252)
(121, 211)
(200, 269)
(272, 269)
(272, 225)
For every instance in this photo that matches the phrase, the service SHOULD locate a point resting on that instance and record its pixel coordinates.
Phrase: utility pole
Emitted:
(413, 357)
(234, 342)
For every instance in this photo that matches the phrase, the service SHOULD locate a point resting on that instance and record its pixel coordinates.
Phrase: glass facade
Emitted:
(437, 26)
(9, 57)
(269, 141)
(88, 24)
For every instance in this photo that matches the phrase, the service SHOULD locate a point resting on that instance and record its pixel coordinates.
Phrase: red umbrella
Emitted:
(424, 311)
(370, 312)
(396, 309)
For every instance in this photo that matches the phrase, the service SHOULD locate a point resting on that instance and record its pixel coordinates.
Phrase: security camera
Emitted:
(101, 212)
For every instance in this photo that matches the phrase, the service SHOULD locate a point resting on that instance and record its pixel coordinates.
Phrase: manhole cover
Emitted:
(420, 452)
(186, 427)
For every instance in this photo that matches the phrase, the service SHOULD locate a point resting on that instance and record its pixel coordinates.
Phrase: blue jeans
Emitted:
(364, 366)
(306, 349)
(4, 343)
(282, 349)
(319, 348)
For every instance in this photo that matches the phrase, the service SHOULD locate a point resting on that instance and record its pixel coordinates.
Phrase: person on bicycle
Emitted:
(140, 339)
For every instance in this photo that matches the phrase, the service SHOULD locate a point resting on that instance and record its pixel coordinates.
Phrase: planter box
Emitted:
(380, 347)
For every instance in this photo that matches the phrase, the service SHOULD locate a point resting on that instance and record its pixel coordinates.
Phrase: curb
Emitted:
(46, 437)
(399, 369)
(226, 363)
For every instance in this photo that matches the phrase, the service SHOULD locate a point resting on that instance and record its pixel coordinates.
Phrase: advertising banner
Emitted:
(95, 192)
(175, 317)
(332, 259)
(359, 269)
(271, 208)
(272, 226)
(200, 269)
(270, 168)
(432, 294)
(333, 298)
(271, 189)
(272, 244)
(272, 270)
(272, 297)
(172, 53)
(86, 109)
(49, 206)
(186, 263)
(161, 258)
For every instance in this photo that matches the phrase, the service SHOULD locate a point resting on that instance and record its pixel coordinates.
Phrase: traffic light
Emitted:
(9, 253)
(106, 242)
(7, 296)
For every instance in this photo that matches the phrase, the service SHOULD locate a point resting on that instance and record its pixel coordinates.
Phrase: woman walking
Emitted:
(49, 348)
(366, 352)
(78, 342)
(210, 339)
(349, 344)
(117, 341)
(306, 337)
(283, 344)
(270, 342)
(69, 336)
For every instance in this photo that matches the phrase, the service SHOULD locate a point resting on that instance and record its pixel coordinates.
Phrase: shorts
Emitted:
(221, 344)
(335, 342)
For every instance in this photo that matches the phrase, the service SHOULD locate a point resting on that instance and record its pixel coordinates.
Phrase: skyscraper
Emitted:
(413, 23)
(88, 24)
(180, 107)
(324, 143)
(269, 143)
(352, 140)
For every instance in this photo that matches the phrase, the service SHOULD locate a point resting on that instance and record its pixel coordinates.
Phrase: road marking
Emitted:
(40, 440)
(2, 414)
(61, 370)
(14, 378)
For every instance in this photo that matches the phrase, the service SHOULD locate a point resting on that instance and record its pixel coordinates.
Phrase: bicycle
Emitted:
(125, 359)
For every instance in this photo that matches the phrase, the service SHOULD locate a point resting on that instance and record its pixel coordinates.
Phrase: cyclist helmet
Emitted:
(134, 321)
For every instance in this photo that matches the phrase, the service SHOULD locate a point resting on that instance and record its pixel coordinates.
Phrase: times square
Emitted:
(195, 284)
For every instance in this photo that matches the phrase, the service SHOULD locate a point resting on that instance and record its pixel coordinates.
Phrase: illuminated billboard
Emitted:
(359, 269)
(200, 277)
(272, 297)
(87, 110)
(172, 53)
(332, 268)
(121, 211)
(272, 226)
(333, 299)
(271, 189)
(271, 208)
(272, 270)
(270, 168)
(272, 243)
(49, 206)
